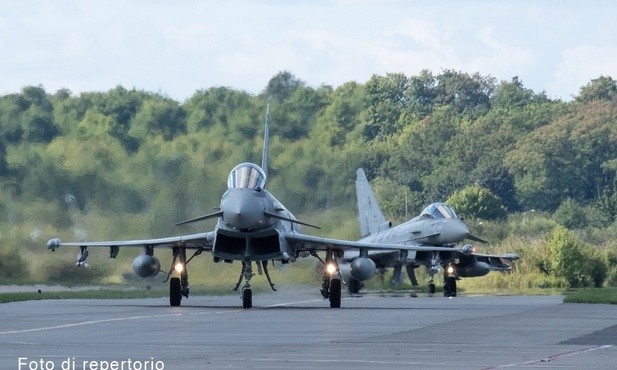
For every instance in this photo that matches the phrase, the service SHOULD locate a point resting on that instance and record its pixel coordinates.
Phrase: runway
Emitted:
(293, 329)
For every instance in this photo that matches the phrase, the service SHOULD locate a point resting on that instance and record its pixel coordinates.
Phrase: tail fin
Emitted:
(264, 155)
(369, 214)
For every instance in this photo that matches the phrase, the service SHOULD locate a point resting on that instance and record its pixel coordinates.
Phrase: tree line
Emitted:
(74, 162)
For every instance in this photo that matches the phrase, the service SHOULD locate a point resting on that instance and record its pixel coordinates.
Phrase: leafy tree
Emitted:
(282, 86)
(570, 215)
(159, 116)
(342, 117)
(567, 257)
(463, 92)
(421, 94)
(601, 88)
(511, 94)
(387, 99)
(393, 199)
(606, 204)
(566, 158)
(477, 202)
(579, 264)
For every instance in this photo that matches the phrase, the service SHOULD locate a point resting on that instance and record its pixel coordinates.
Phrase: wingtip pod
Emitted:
(53, 244)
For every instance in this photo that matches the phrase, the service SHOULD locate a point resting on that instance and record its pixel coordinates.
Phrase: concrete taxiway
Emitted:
(293, 329)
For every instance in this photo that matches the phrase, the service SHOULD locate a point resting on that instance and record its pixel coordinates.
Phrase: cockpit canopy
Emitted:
(246, 175)
(438, 210)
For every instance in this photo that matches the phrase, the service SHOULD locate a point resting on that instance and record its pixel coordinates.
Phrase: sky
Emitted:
(177, 47)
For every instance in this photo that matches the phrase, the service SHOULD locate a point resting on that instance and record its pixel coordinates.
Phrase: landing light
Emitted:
(179, 267)
(330, 268)
(450, 269)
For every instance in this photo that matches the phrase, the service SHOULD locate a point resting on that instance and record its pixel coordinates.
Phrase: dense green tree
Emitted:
(567, 257)
(606, 204)
(469, 94)
(477, 203)
(282, 86)
(387, 102)
(565, 159)
(511, 94)
(601, 88)
(134, 161)
(159, 116)
(421, 94)
(570, 215)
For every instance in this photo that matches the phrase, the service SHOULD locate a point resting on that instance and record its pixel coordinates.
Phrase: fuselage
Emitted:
(247, 229)
(436, 225)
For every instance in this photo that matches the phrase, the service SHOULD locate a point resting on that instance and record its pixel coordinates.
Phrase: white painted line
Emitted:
(551, 358)
(83, 323)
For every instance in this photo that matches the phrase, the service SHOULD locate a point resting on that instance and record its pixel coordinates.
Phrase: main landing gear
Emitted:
(449, 277)
(179, 286)
(449, 285)
(246, 275)
(432, 270)
(331, 287)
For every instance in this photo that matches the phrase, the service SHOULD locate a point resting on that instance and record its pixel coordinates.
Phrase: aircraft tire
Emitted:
(449, 288)
(354, 286)
(247, 298)
(431, 289)
(335, 293)
(175, 292)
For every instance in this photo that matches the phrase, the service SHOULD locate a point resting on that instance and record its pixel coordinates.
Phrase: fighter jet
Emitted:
(436, 226)
(253, 228)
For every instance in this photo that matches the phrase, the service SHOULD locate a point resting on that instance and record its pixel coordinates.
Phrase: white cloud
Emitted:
(498, 58)
(181, 47)
(579, 65)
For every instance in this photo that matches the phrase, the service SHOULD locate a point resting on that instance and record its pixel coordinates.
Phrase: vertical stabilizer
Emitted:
(369, 214)
(264, 155)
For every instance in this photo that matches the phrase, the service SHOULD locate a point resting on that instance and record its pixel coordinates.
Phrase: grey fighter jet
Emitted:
(253, 228)
(436, 226)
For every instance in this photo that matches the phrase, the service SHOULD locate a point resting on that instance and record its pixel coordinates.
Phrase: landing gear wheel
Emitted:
(175, 292)
(335, 293)
(354, 286)
(247, 298)
(431, 288)
(449, 288)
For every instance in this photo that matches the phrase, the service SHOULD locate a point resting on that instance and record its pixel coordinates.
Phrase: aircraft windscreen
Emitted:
(246, 175)
(439, 210)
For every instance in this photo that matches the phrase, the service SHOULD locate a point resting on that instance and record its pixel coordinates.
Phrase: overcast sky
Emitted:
(178, 47)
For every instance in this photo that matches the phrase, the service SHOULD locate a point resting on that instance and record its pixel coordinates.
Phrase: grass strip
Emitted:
(595, 295)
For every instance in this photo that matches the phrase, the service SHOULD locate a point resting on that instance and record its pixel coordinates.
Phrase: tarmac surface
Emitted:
(296, 329)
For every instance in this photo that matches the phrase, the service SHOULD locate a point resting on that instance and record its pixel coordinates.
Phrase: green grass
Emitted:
(599, 295)
(86, 294)
(589, 295)
(109, 293)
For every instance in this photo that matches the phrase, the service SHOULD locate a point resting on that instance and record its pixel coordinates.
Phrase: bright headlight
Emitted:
(330, 268)
(179, 267)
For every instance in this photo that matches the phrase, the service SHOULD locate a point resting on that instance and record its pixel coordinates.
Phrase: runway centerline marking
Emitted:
(102, 321)
(83, 323)
(554, 357)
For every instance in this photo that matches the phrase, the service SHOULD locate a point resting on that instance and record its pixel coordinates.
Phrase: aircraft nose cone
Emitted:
(243, 210)
(455, 231)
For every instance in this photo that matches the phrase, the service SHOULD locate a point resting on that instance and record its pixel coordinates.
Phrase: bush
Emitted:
(575, 261)
(12, 267)
(570, 215)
